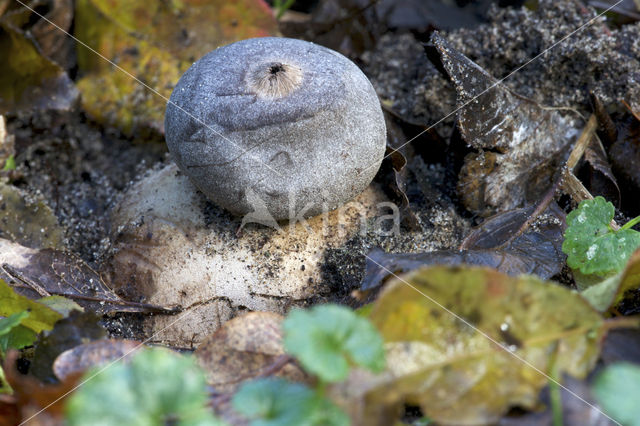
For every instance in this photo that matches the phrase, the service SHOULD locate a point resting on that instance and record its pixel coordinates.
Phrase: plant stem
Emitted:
(631, 321)
(555, 394)
(631, 223)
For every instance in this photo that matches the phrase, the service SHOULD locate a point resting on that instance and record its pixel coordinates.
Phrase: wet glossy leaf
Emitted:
(157, 386)
(456, 374)
(503, 242)
(520, 144)
(617, 389)
(155, 42)
(591, 245)
(29, 80)
(244, 348)
(327, 338)
(40, 316)
(610, 291)
(276, 402)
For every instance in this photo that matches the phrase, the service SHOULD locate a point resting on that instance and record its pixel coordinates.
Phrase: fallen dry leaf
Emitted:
(93, 354)
(521, 145)
(45, 86)
(41, 273)
(244, 348)
(504, 242)
(34, 402)
(28, 221)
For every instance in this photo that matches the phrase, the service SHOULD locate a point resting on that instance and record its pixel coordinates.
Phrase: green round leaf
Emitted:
(617, 389)
(276, 402)
(591, 245)
(326, 338)
(158, 385)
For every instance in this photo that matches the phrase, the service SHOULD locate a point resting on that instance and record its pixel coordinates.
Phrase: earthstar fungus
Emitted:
(276, 127)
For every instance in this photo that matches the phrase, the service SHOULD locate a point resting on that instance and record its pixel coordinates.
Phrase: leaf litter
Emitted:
(520, 214)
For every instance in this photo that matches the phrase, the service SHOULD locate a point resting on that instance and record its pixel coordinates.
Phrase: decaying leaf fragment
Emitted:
(93, 354)
(520, 144)
(244, 348)
(505, 242)
(32, 397)
(458, 375)
(28, 221)
(41, 273)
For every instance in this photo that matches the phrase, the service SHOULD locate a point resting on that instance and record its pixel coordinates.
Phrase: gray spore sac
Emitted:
(293, 124)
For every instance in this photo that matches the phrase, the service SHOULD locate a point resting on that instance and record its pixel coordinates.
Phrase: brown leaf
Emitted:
(37, 404)
(625, 159)
(28, 221)
(40, 273)
(521, 144)
(246, 347)
(94, 354)
(77, 328)
(601, 178)
(500, 242)
(48, 33)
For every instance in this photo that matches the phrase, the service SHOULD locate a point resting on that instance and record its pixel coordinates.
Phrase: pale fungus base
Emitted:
(171, 250)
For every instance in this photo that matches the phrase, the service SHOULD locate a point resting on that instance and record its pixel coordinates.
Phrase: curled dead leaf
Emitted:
(93, 354)
(521, 144)
(246, 347)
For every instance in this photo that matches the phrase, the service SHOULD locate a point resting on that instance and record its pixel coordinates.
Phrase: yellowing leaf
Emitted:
(456, 374)
(40, 317)
(28, 79)
(611, 291)
(155, 42)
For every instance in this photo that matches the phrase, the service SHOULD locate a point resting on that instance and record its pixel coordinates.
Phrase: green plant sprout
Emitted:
(592, 245)
(327, 341)
(157, 387)
(9, 164)
(281, 6)
(616, 389)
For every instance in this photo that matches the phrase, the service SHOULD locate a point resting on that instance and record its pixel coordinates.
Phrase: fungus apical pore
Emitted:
(278, 124)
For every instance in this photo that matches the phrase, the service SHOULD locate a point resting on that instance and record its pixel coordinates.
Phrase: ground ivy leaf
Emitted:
(326, 338)
(591, 245)
(40, 316)
(616, 388)
(276, 402)
(457, 375)
(158, 386)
